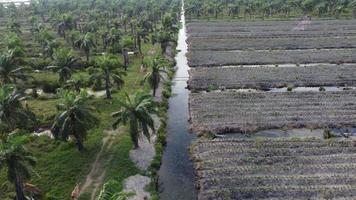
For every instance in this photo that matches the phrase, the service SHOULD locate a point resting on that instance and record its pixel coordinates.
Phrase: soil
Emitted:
(95, 178)
(136, 184)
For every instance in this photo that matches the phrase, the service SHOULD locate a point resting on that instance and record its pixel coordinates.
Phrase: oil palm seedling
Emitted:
(136, 111)
(108, 192)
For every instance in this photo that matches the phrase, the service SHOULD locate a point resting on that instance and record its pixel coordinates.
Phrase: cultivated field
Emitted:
(224, 112)
(275, 169)
(220, 58)
(273, 43)
(262, 167)
(203, 78)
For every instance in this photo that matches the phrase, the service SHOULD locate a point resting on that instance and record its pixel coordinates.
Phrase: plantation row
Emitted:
(258, 169)
(221, 112)
(336, 42)
(205, 145)
(275, 34)
(204, 78)
(270, 26)
(220, 58)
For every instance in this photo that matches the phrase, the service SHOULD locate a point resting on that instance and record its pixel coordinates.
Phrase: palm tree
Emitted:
(63, 61)
(164, 38)
(18, 161)
(136, 110)
(107, 68)
(86, 42)
(113, 37)
(154, 77)
(66, 23)
(14, 43)
(75, 117)
(12, 113)
(9, 71)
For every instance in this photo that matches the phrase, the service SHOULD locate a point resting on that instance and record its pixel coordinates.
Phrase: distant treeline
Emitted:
(269, 8)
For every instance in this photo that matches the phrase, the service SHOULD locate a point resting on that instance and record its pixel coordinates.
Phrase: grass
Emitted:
(60, 166)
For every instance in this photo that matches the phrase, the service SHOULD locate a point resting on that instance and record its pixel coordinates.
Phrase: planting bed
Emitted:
(228, 112)
(216, 58)
(195, 25)
(272, 43)
(271, 29)
(275, 169)
(203, 78)
(272, 34)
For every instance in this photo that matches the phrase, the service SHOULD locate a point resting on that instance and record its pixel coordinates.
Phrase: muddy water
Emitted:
(176, 178)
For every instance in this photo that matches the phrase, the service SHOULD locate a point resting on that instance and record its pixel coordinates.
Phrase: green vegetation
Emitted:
(269, 8)
(136, 111)
(53, 55)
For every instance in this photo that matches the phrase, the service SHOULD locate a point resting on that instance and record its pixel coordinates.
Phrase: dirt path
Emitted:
(95, 178)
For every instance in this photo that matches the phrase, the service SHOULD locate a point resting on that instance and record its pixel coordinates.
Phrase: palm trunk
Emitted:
(107, 85)
(154, 91)
(87, 55)
(19, 188)
(126, 59)
(80, 145)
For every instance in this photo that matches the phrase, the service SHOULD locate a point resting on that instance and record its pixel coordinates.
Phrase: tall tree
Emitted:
(136, 111)
(75, 117)
(18, 162)
(107, 68)
(154, 77)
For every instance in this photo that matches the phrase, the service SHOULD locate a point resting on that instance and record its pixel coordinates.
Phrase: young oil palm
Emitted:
(86, 43)
(63, 61)
(18, 162)
(107, 68)
(108, 192)
(75, 117)
(136, 111)
(12, 113)
(9, 71)
(154, 77)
